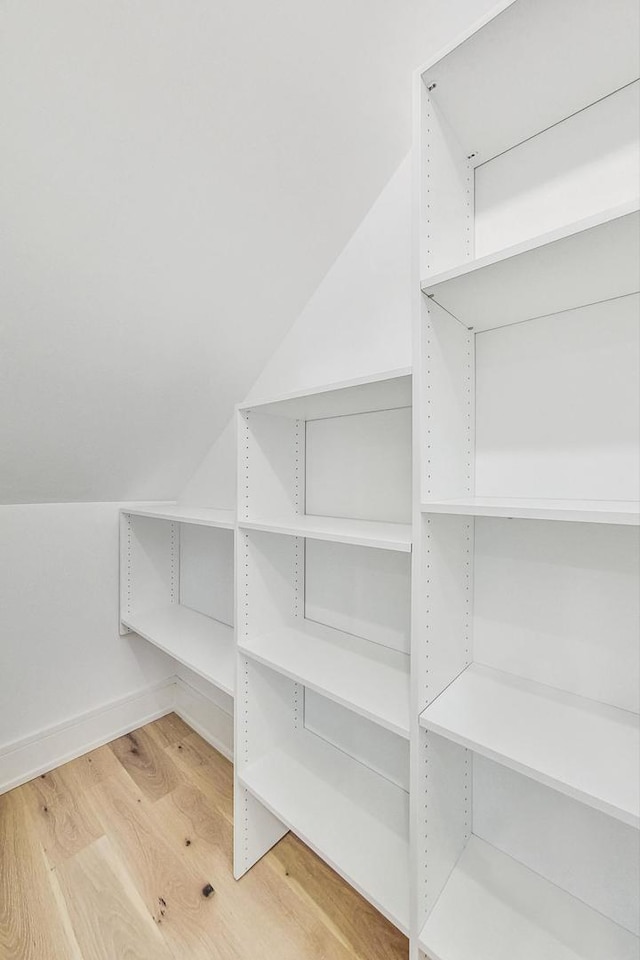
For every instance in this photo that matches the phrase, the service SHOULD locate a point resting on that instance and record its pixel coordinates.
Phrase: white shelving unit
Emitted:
(323, 614)
(525, 673)
(176, 585)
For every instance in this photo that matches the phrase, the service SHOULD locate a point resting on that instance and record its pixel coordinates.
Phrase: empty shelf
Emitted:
(365, 533)
(494, 908)
(202, 644)
(480, 80)
(587, 750)
(306, 786)
(582, 511)
(383, 391)
(204, 516)
(370, 679)
(586, 262)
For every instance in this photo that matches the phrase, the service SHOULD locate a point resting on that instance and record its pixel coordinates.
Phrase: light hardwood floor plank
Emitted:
(31, 927)
(64, 823)
(105, 909)
(146, 763)
(191, 924)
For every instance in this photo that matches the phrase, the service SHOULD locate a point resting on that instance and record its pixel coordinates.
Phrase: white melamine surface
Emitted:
(586, 262)
(360, 466)
(370, 679)
(308, 787)
(585, 749)
(558, 406)
(491, 87)
(383, 391)
(367, 533)
(493, 908)
(625, 512)
(205, 516)
(204, 645)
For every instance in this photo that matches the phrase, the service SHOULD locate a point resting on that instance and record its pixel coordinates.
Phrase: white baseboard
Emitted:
(207, 717)
(39, 753)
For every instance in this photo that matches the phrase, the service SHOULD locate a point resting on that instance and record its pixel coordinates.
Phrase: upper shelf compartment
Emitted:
(496, 91)
(384, 391)
(586, 262)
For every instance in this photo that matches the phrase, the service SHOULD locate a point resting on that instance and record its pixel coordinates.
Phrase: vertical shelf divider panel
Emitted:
(513, 851)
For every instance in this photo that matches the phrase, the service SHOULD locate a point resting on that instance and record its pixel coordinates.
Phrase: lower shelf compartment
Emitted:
(353, 818)
(202, 644)
(370, 679)
(494, 908)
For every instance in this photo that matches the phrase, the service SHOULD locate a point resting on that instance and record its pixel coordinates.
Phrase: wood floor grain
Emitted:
(107, 858)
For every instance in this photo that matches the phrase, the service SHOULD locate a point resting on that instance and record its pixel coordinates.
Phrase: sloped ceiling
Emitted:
(176, 177)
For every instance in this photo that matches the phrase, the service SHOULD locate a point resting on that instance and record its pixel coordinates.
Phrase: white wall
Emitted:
(357, 322)
(175, 180)
(60, 651)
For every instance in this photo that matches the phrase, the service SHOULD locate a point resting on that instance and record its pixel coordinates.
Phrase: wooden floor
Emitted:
(107, 858)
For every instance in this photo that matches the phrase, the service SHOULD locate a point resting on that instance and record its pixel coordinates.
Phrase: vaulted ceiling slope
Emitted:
(175, 180)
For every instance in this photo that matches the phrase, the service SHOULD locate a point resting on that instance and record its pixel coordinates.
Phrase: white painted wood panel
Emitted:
(580, 747)
(206, 571)
(584, 262)
(558, 406)
(367, 533)
(205, 516)
(149, 564)
(359, 591)
(622, 512)
(579, 167)
(594, 857)
(376, 747)
(493, 908)
(493, 90)
(360, 466)
(560, 604)
(382, 391)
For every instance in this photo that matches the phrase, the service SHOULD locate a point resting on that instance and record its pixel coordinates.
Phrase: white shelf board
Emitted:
(202, 644)
(494, 908)
(203, 516)
(383, 391)
(366, 677)
(587, 750)
(595, 259)
(625, 512)
(365, 533)
(489, 85)
(306, 787)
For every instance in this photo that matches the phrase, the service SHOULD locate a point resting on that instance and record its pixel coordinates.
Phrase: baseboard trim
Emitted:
(205, 716)
(39, 753)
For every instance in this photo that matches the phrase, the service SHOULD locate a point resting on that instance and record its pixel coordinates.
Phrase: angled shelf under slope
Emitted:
(585, 749)
(201, 643)
(590, 49)
(383, 391)
(623, 512)
(303, 786)
(590, 261)
(366, 677)
(203, 516)
(494, 908)
(364, 533)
